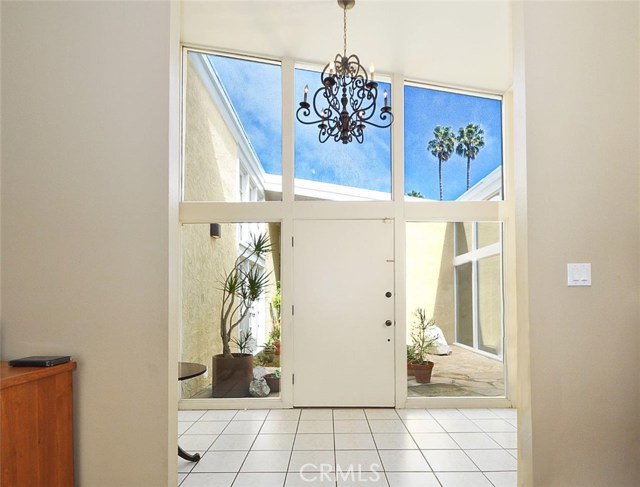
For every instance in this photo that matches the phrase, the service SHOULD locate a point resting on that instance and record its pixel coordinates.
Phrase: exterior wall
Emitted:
(89, 194)
(211, 174)
(577, 201)
(430, 258)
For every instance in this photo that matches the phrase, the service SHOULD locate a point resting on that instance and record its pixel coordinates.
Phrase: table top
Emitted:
(188, 370)
(13, 376)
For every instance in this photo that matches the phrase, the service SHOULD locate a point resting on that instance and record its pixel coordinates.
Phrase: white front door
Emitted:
(343, 313)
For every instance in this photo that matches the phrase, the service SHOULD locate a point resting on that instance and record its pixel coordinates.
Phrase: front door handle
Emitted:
(388, 322)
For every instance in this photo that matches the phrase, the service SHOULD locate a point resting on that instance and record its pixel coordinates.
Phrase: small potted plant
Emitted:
(273, 380)
(423, 343)
(411, 357)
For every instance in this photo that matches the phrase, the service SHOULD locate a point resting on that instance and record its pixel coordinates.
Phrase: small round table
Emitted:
(189, 370)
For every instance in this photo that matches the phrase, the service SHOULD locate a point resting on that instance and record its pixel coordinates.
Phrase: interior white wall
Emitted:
(85, 221)
(580, 86)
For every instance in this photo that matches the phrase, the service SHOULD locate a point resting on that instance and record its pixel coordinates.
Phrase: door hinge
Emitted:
(293, 310)
(292, 241)
(293, 378)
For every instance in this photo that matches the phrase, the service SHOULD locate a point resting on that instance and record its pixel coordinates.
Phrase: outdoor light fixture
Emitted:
(215, 231)
(346, 102)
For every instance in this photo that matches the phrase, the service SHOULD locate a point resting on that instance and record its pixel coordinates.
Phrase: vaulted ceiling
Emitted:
(453, 43)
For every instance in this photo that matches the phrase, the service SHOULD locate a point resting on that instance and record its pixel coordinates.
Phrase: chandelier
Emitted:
(346, 102)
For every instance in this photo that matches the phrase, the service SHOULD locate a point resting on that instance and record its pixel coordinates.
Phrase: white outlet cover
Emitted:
(579, 274)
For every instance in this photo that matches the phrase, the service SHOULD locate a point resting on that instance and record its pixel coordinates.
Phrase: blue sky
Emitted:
(255, 92)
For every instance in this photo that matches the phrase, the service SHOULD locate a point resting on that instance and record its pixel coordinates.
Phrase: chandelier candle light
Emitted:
(346, 102)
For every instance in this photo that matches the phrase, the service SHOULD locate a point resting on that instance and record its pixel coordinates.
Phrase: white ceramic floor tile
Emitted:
(357, 461)
(495, 425)
(478, 413)
(394, 441)
(196, 442)
(207, 428)
(505, 440)
(315, 426)
(208, 479)
(463, 479)
(251, 415)
(503, 479)
(185, 466)
(220, 461)
(446, 414)
(279, 427)
(423, 426)
(193, 415)
(435, 441)
(354, 441)
(370, 479)
(184, 426)
(493, 460)
(341, 414)
(382, 413)
(313, 414)
(414, 414)
(273, 442)
(181, 477)
(219, 415)
(310, 478)
(313, 441)
(403, 461)
(449, 461)
(506, 413)
(459, 425)
(317, 461)
(353, 426)
(476, 441)
(269, 479)
(387, 426)
(241, 427)
(266, 461)
(412, 479)
(233, 442)
(284, 414)
(513, 452)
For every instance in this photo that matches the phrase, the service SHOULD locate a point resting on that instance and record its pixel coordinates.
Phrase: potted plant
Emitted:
(274, 311)
(411, 357)
(423, 343)
(242, 286)
(273, 380)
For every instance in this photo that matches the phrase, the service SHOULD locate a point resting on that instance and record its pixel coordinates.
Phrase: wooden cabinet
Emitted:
(36, 426)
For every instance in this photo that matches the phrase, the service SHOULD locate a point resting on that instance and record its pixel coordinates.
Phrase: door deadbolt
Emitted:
(388, 322)
(388, 294)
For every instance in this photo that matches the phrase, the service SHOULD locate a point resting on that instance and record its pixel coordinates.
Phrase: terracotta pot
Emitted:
(273, 382)
(232, 376)
(422, 372)
(410, 372)
(277, 345)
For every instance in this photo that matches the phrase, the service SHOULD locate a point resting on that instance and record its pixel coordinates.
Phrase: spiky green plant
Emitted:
(243, 285)
(423, 340)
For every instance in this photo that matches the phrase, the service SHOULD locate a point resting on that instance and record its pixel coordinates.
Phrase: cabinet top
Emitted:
(13, 376)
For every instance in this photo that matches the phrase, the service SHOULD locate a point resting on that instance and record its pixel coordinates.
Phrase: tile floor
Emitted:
(343, 447)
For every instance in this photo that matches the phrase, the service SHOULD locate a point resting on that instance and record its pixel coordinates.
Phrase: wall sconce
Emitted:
(215, 230)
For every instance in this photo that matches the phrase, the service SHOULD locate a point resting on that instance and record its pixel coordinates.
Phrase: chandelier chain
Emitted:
(345, 31)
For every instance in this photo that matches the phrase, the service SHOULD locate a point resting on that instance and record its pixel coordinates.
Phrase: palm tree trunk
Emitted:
(468, 172)
(440, 176)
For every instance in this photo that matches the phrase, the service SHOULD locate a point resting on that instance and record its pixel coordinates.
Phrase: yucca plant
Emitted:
(243, 285)
(422, 338)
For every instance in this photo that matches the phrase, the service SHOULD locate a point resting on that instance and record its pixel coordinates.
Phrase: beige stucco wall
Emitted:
(211, 174)
(430, 274)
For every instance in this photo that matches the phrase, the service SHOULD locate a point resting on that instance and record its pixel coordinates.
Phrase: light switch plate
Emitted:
(579, 274)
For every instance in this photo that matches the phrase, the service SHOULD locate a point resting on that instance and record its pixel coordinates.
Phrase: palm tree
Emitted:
(442, 146)
(470, 141)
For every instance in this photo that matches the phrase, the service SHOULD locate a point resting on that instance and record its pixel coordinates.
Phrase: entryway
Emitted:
(343, 315)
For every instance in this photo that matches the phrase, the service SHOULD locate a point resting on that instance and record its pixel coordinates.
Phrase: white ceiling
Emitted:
(452, 43)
